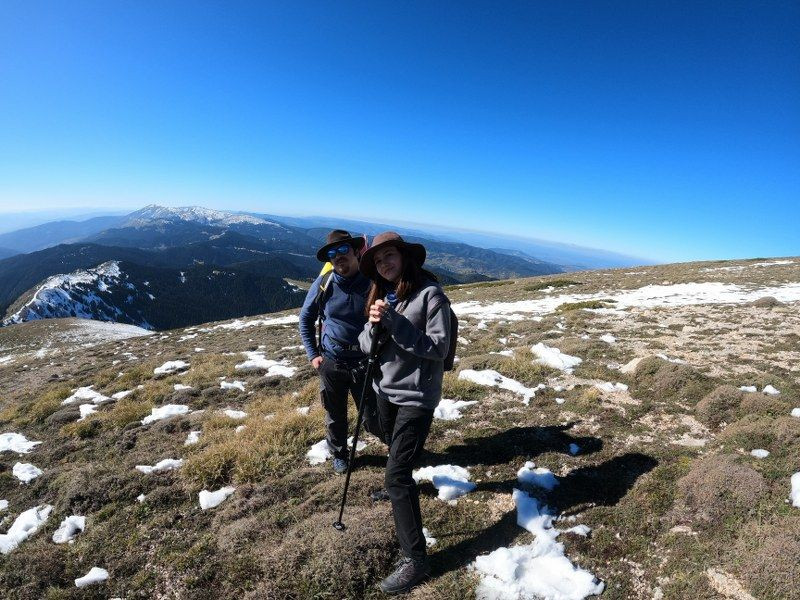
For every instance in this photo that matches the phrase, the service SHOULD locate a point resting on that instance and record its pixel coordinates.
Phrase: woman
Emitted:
(408, 309)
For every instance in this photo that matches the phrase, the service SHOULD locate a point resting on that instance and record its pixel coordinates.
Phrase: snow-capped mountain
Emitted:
(153, 213)
(86, 294)
(154, 297)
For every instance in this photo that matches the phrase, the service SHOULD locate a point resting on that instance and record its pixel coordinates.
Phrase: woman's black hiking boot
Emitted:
(409, 572)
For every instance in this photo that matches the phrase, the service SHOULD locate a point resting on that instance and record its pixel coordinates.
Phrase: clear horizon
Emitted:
(660, 132)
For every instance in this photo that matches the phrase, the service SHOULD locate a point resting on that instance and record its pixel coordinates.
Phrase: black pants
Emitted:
(337, 378)
(406, 429)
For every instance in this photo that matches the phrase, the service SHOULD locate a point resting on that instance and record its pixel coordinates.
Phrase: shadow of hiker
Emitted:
(507, 445)
(599, 485)
(604, 484)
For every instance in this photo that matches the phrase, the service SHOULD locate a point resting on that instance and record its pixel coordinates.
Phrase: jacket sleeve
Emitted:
(433, 343)
(308, 319)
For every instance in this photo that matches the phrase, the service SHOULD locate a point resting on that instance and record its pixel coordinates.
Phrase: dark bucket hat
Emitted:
(382, 240)
(336, 238)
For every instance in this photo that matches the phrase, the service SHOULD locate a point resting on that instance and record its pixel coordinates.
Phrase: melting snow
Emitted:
(212, 499)
(650, 296)
(450, 410)
(86, 393)
(168, 464)
(492, 378)
(26, 472)
(748, 388)
(86, 410)
(553, 357)
(171, 366)
(608, 338)
(192, 438)
(257, 360)
(537, 476)
(234, 385)
(537, 570)
(24, 526)
(239, 324)
(796, 412)
(95, 575)
(164, 412)
(429, 539)
(771, 391)
(122, 394)
(452, 481)
(3, 504)
(69, 528)
(795, 494)
(16, 442)
(179, 387)
(759, 453)
(677, 361)
(319, 452)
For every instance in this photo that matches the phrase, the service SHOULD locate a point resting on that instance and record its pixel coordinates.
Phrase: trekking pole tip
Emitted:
(339, 526)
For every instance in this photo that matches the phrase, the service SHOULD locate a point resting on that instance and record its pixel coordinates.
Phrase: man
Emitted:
(338, 297)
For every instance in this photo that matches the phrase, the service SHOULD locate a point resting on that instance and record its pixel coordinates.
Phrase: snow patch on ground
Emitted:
(537, 570)
(16, 442)
(164, 412)
(171, 366)
(450, 410)
(541, 477)
(168, 464)
(95, 575)
(650, 296)
(213, 499)
(553, 357)
(69, 528)
(319, 452)
(759, 453)
(492, 378)
(258, 360)
(26, 472)
(770, 391)
(794, 496)
(192, 438)
(24, 526)
(452, 481)
(86, 393)
(240, 324)
(232, 385)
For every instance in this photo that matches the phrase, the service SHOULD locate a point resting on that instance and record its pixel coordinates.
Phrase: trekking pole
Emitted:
(373, 350)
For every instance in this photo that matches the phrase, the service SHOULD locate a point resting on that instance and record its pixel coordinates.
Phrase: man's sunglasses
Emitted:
(343, 249)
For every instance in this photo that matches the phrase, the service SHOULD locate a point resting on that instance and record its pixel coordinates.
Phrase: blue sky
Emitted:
(668, 130)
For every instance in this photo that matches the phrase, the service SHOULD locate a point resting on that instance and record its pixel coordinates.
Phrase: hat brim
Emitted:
(356, 243)
(367, 263)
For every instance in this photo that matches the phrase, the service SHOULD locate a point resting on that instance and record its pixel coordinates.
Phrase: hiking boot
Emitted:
(408, 573)
(340, 466)
(379, 496)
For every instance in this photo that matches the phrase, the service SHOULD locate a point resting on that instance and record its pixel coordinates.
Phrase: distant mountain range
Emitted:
(76, 268)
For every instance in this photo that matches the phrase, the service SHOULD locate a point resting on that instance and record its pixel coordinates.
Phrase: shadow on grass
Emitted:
(598, 485)
(512, 443)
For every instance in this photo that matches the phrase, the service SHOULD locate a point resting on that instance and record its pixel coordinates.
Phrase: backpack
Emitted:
(449, 359)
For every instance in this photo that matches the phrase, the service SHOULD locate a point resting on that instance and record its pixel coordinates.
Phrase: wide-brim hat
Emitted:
(336, 238)
(382, 240)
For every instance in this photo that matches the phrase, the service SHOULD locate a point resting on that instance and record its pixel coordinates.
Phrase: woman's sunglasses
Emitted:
(343, 249)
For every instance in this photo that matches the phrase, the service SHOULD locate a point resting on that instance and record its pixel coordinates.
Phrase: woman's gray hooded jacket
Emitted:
(411, 358)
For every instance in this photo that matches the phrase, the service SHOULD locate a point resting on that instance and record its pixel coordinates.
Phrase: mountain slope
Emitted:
(152, 297)
(611, 437)
(46, 235)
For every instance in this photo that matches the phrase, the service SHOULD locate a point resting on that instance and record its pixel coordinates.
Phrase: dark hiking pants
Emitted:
(337, 379)
(406, 429)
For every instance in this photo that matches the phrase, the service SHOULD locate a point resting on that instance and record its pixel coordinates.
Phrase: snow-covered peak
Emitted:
(195, 214)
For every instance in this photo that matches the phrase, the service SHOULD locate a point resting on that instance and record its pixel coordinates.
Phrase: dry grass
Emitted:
(717, 487)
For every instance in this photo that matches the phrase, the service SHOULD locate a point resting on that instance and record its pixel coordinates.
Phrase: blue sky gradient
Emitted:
(667, 130)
